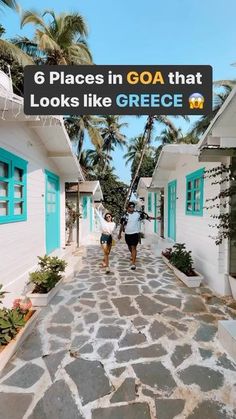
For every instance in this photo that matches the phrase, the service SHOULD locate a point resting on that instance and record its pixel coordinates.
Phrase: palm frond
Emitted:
(7, 48)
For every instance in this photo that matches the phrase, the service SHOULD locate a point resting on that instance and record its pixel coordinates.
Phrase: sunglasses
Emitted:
(108, 216)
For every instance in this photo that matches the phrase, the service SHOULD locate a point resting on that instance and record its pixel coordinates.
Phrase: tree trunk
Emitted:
(147, 134)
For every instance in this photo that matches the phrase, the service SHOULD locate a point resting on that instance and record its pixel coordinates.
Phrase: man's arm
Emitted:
(122, 221)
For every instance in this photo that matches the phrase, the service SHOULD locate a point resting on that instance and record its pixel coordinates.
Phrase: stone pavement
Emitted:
(128, 345)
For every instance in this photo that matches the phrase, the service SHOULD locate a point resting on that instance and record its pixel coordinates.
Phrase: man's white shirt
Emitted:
(133, 225)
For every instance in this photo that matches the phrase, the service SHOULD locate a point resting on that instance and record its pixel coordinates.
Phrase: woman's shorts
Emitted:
(132, 239)
(106, 239)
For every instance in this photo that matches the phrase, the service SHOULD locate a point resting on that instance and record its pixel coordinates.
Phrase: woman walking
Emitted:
(107, 229)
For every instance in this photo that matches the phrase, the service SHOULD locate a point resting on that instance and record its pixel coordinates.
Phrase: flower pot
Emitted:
(232, 282)
(190, 281)
(6, 352)
(167, 262)
(42, 300)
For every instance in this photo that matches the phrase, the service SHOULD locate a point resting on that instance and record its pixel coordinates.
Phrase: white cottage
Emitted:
(90, 197)
(36, 160)
(179, 173)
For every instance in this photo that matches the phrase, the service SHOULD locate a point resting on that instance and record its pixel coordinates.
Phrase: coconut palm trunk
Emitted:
(146, 140)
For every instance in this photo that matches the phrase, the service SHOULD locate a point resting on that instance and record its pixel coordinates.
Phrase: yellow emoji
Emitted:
(196, 101)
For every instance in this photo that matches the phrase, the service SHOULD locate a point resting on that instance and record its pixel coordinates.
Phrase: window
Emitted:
(84, 207)
(13, 171)
(149, 201)
(194, 192)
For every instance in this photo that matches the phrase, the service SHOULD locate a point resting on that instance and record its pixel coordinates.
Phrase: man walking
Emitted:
(131, 225)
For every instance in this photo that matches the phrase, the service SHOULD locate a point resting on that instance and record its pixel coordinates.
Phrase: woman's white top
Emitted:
(106, 227)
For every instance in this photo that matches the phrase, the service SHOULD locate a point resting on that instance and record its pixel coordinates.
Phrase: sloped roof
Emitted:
(88, 186)
(50, 129)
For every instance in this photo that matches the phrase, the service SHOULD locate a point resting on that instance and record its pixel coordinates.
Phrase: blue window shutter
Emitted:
(149, 201)
(13, 187)
(84, 206)
(195, 193)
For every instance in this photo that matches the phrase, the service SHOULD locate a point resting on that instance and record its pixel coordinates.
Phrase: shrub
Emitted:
(182, 259)
(13, 319)
(49, 274)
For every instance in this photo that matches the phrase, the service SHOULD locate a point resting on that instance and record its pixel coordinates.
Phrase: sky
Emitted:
(151, 32)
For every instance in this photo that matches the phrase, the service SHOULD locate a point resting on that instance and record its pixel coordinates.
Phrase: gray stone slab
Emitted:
(205, 333)
(53, 361)
(124, 306)
(14, 405)
(129, 289)
(194, 305)
(105, 350)
(63, 332)
(109, 332)
(91, 318)
(224, 361)
(125, 393)
(211, 410)
(90, 379)
(57, 403)
(139, 321)
(175, 314)
(158, 330)
(155, 375)
(31, 348)
(117, 371)
(170, 301)
(25, 377)
(169, 408)
(131, 411)
(97, 287)
(132, 339)
(205, 353)
(207, 318)
(152, 351)
(180, 354)
(149, 307)
(206, 378)
(183, 327)
(80, 340)
(86, 349)
(63, 316)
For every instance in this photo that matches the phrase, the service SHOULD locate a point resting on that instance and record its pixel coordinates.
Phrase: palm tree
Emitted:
(77, 126)
(99, 159)
(7, 48)
(219, 97)
(61, 41)
(9, 3)
(111, 132)
(134, 149)
(146, 140)
(85, 163)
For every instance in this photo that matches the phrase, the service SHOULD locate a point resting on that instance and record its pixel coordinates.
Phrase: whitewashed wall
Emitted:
(211, 260)
(21, 242)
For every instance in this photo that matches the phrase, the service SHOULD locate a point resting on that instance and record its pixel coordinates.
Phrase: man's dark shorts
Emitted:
(132, 239)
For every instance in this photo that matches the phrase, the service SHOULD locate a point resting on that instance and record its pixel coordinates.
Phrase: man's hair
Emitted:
(131, 204)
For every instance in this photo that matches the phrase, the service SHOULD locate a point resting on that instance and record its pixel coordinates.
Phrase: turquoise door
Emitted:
(91, 213)
(155, 211)
(52, 204)
(172, 186)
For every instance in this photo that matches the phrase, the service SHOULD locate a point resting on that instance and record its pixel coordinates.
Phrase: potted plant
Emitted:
(166, 254)
(182, 264)
(46, 280)
(15, 325)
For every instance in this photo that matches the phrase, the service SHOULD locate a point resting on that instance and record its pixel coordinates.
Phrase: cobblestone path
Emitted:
(128, 345)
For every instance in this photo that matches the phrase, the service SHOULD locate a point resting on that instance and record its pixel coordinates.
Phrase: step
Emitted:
(227, 336)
